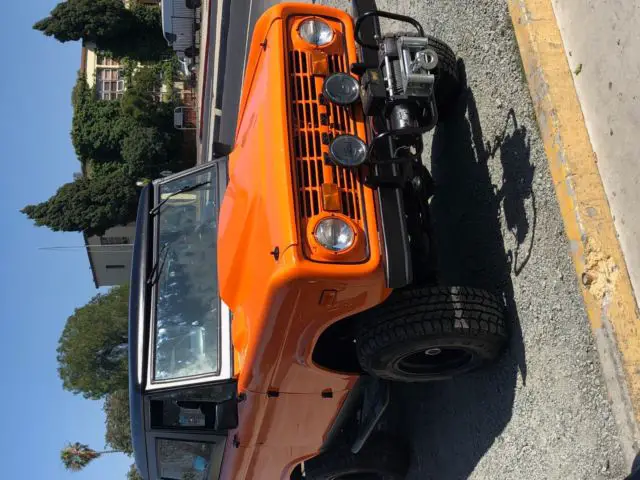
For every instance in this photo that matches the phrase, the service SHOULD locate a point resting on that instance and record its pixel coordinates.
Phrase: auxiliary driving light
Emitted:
(348, 151)
(334, 234)
(341, 89)
(315, 32)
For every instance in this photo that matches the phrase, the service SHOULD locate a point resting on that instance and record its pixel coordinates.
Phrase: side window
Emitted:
(188, 460)
(182, 414)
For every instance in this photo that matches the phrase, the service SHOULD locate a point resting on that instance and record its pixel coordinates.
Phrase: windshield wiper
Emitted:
(154, 275)
(186, 189)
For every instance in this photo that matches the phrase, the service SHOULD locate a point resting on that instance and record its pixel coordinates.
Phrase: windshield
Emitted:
(187, 330)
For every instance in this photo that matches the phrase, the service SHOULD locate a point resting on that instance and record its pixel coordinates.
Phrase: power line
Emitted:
(98, 248)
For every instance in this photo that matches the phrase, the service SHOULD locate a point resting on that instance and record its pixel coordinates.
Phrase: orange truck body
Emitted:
(282, 288)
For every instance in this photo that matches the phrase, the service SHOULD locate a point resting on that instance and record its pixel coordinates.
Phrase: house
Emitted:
(110, 255)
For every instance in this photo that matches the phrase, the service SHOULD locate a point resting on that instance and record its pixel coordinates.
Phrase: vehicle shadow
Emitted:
(451, 424)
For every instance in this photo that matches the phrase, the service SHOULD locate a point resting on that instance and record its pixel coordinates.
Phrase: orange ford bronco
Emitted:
(278, 289)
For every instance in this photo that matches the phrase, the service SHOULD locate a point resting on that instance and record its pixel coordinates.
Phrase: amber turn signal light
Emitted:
(319, 63)
(331, 197)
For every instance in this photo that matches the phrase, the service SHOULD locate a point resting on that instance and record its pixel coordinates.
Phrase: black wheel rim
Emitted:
(435, 361)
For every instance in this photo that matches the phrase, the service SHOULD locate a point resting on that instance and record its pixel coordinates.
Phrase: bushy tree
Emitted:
(89, 20)
(134, 32)
(98, 127)
(89, 205)
(136, 130)
(93, 347)
(145, 151)
(117, 421)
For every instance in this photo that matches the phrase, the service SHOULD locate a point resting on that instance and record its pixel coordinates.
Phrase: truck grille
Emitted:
(313, 124)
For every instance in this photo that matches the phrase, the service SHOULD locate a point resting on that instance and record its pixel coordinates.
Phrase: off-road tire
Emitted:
(447, 85)
(431, 321)
(382, 457)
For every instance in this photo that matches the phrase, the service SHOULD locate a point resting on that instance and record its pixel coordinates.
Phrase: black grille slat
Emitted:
(320, 168)
(305, 174)
(358, 215)
(298, 88)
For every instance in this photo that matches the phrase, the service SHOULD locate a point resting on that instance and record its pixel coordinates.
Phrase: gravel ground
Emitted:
(542, 412)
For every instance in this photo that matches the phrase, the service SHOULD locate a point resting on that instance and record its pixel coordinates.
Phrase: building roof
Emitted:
(92, 266)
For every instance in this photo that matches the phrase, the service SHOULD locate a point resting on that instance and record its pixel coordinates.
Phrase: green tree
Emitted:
(146, 78)
(141, 101)
(133, 474)
(76, 456)
(135, 32)
(145, 152)
(89, 205)
(137, 130)
(93, 347)
(98, 127)
(89, 20)
(117, 422)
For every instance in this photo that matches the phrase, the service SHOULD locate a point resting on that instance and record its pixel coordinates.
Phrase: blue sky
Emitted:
(39, 289)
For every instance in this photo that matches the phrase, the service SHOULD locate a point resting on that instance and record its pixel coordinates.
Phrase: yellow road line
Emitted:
(598, 259)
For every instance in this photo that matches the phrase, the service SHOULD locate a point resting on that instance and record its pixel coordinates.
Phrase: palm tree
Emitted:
(133, 474)
(76, 456)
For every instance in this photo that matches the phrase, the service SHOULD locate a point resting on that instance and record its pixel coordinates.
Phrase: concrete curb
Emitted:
(596, 252)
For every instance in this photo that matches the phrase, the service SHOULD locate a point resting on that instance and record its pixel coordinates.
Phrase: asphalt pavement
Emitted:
(542, 412)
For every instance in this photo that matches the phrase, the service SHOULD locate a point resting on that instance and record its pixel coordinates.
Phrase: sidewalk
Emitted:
(584, 87)
(602, 41)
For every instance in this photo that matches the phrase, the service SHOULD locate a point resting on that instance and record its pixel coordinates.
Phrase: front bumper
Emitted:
(392, 225)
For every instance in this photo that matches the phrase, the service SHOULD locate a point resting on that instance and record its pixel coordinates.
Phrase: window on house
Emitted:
(115, 267)
(110, 83)
(106, 61)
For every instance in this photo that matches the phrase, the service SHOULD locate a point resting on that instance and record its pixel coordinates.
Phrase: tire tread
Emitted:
(469, 314)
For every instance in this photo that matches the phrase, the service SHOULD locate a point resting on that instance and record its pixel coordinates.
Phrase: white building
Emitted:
(110, 255)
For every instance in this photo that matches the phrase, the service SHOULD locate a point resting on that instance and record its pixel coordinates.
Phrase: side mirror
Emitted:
(221, 149)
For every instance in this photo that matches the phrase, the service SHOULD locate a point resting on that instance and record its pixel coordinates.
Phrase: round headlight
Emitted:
(341, 88)
(348, 151)
(316, 32)
(334, 234)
